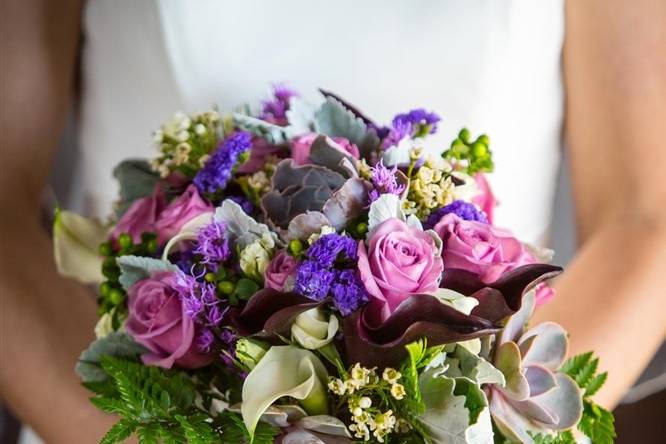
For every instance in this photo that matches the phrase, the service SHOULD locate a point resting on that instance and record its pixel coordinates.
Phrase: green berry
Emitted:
(479, 150)
(151, 245)
(125, 241)
(105, 288)
(116, 296)
(463, 135)
(362, 228)
(484, 140)
(105, 249)
(209, 277)
(226, 287)
(296, 246)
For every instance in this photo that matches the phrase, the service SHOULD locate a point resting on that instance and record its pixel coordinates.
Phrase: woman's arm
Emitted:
(612, 298)
(45, 320)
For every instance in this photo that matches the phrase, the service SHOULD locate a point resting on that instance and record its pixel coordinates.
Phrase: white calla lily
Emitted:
(76, 241)
(284, 371)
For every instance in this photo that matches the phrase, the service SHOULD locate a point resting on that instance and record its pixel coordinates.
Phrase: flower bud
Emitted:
(311, 329)
(250, 352)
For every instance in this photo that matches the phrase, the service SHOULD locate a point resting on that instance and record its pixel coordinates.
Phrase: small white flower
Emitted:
(182, 136)
(398, 391)
(391, 375)
(365, 402)
(200, 129)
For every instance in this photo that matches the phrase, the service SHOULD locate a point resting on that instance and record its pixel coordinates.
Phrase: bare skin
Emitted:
(611, 299)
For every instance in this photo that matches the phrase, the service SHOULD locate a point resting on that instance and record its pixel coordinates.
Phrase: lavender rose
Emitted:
(400, 261)
(157, 320)
(300, 147)
(186, 207)
(140, 217)
(483, 249)
(280, 272)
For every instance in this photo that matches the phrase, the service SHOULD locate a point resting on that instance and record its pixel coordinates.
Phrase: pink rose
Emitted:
(157, 320)
(140, 217)
(485, 199)
(400, 261)
(300, 147)
(280, 271)
(183, 209)
(483, 249)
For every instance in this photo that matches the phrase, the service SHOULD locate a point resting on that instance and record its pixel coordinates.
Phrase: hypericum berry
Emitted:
(295, 247)
(226, 287)
(116, 296)
(209, 277)
(105, 249)
(125, 241)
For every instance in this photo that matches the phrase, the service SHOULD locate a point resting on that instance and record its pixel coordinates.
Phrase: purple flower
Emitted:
(205, 340)
(313, 280)
(348, 292)
(462, 209)
(275, 109)
(384, 182)
(212, 244)
(200, 301)
(216, 172)
(415, 123)
(331, 247)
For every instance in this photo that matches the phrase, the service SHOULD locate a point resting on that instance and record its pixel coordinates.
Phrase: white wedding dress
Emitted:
(490, 65)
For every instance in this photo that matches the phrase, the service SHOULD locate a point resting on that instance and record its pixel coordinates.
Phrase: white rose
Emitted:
(311, 329)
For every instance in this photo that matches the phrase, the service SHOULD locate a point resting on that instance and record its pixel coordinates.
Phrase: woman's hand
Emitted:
(612, 298)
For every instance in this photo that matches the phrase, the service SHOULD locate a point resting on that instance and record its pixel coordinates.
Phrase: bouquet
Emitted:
(303, 274)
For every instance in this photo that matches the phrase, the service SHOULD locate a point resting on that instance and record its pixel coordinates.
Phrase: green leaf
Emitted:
(595, 384)
(197, 430)
(119, 432)
(575, 364)
(597, 423)
(561, 438)
(149, 433)
(114, 344)
(135, 268)
(110, 405)
(136, 180)
(245, 288)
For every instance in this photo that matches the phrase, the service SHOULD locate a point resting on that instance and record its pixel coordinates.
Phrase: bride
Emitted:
(520, 71)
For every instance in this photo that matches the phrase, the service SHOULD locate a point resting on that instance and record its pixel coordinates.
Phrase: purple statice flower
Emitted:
(275, 109)
(331, 247)
(212, 244)
(243, 202)
(417, 122)
(384, 182)
(462, 209)
(313, 280)
(349, 293)
(217, 170)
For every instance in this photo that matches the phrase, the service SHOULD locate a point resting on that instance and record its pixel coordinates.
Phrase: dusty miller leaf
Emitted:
(135, 268)
(273, 134)
(117, 344)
